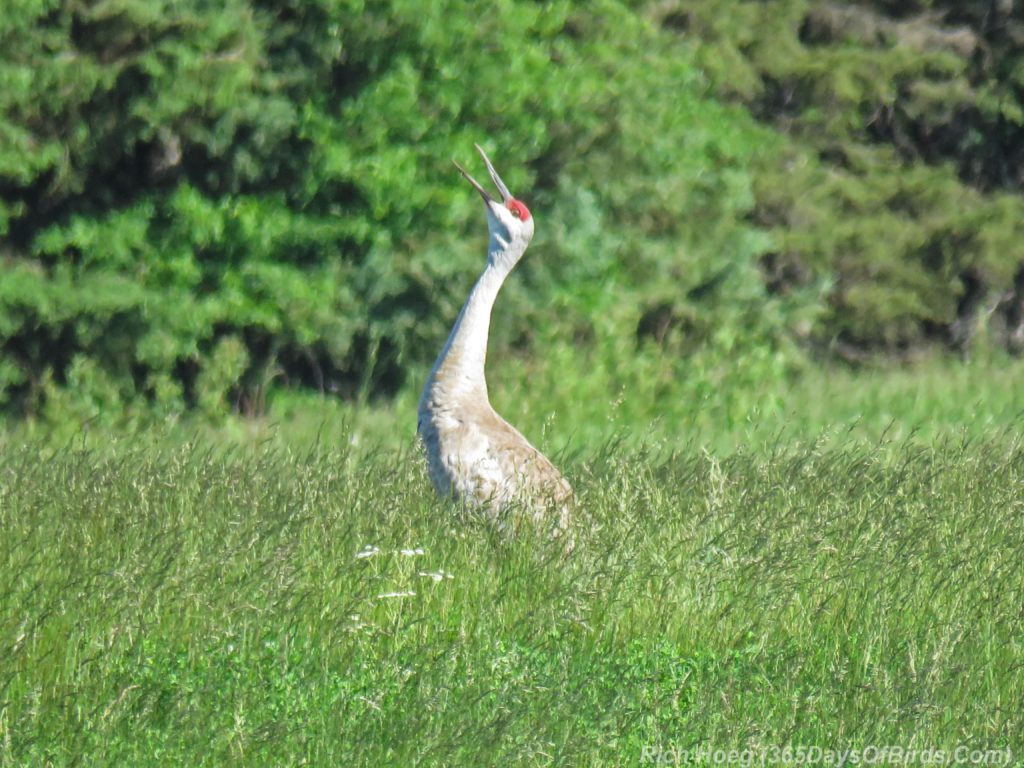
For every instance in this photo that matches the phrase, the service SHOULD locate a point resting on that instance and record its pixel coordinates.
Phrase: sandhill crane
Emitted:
(473, 454)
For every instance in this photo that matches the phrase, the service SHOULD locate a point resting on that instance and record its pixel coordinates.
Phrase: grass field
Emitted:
(276, 601)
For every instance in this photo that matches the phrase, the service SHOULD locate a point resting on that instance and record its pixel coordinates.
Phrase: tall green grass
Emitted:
(567, 406)
(266, 606)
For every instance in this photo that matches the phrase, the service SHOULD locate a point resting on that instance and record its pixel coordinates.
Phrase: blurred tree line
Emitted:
(199, 201)
(901, 183)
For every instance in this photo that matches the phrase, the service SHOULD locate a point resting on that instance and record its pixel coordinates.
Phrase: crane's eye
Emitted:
(515, 211)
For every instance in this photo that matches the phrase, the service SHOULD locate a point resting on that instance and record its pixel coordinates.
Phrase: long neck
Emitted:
(461, 363)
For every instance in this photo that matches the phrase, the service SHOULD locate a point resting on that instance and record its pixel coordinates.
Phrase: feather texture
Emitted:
(473, 454)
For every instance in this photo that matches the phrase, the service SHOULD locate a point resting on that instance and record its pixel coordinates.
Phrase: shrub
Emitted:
(901, 185)
(178, 177)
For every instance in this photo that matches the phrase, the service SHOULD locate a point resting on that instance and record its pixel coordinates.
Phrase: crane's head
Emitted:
(508, 221)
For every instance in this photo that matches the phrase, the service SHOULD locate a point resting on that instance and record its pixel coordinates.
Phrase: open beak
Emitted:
(505, 194)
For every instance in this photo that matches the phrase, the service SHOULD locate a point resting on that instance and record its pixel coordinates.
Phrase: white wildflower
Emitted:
(411, 552)
(407, 593)
(368, 551)
(357, 623)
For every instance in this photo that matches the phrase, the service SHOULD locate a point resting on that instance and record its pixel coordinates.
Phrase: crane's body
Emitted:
(473, 454)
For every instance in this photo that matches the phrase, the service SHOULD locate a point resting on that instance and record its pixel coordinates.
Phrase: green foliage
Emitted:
(227, 365)
(198, 607)
(178, 174)
(900, 191)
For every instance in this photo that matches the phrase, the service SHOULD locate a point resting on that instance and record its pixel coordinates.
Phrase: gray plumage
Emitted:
(473, 454)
